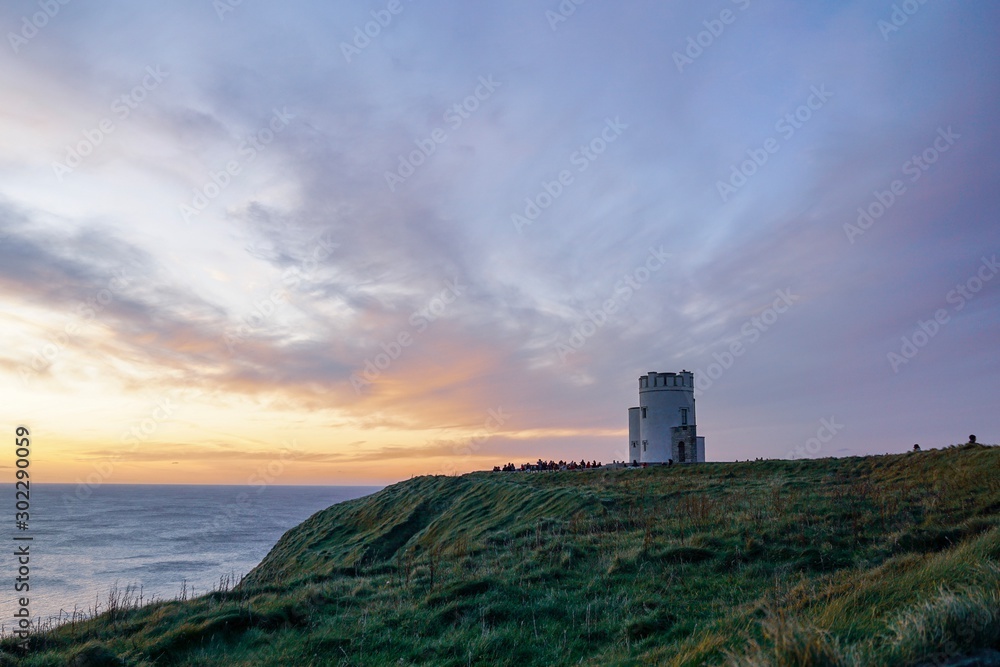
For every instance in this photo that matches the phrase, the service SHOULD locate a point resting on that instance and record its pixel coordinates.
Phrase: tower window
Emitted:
(684, 416)
(644, 445)
(644, 413)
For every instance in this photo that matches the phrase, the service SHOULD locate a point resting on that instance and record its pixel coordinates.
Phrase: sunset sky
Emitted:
(215, 216)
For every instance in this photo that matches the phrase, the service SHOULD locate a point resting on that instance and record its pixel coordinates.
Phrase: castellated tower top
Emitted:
(683, 381)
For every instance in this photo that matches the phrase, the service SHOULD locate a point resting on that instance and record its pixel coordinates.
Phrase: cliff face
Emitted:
(891, 560)
(919, 501)
(411, 520)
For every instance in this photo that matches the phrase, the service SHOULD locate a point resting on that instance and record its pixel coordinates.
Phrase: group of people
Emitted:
(571, 465)
(549, 465)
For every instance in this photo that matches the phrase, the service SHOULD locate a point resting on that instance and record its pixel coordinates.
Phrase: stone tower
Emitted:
(663, 427)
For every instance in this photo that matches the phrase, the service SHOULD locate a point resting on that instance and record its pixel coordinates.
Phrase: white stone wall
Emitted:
(634, 436)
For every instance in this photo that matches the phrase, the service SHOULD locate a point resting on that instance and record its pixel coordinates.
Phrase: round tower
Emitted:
(666, 418)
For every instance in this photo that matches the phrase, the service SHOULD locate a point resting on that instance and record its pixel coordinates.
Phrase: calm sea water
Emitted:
(156, 536)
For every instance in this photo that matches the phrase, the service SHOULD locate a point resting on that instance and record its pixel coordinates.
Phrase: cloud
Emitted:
(307, 269)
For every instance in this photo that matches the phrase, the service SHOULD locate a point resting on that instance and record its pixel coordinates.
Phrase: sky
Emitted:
(349, 243)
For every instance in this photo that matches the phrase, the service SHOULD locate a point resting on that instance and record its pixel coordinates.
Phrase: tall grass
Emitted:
(953, 623)
(790, 642)
(880, 560)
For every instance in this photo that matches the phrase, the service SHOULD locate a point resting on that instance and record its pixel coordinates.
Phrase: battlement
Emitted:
(654, 380)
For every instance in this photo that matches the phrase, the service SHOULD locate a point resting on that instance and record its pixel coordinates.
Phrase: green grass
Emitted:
(890, 560)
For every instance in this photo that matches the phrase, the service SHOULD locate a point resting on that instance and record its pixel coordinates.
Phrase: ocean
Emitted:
(163, 538)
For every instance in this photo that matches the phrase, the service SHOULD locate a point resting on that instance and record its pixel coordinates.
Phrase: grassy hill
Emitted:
(890, 560)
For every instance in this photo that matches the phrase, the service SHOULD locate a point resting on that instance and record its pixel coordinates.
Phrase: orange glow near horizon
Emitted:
(197, 443)
(68, 462)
